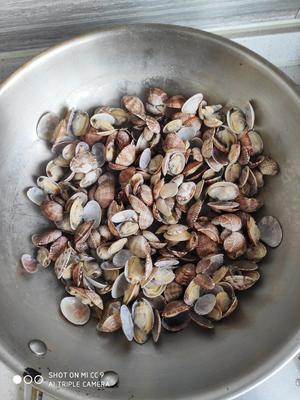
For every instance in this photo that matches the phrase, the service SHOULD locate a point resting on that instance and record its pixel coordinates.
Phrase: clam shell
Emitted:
(92, 212)
(223, 191)
(143, 320)
(201, 321)
(119, 286)
(145, 159)
(191, 293)
(76, 213)
(173, 292)
(270, 231)
(29, 263)
(156, 331)
(228, 221)
(48, 185)
(36, 195)
(236, 120)
(134, 105)
(105, 192)
(75, 311)
(268, 166)
(44, 238)
(134, 270)
(205, 304)
(46, 125)
(192, 104)
(52, 210)
(78, 123)
(54, 171)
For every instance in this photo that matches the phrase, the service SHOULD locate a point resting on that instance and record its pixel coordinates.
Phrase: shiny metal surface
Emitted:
(97, 69)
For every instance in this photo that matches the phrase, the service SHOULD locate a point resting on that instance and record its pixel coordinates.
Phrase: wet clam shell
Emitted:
(223, 191)
(75, 311)
(36, 195)
(270, 231)
(29, 263)
(46, 125)
(92, 212)
(205, 304)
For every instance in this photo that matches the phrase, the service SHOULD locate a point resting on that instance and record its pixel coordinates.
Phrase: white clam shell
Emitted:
(145, 158)
(92, 211)
(127, 323)
(36, 195)
(119, 286)
(75, 311)
(46, 125)
(192, 104)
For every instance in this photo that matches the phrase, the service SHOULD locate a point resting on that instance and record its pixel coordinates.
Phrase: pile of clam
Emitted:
(153, 209)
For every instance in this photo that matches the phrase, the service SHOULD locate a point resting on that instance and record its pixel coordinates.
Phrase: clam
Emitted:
(134, 105)
(253, 230)
(126, 156)
(134, 270)
(29, 263)
(111, 319)
(223, 191)
(119, 286)
(173, 163)
(98, 150)
(156, 330)
(36, 195)
(270, 231)
(121, 257)
(268, 166)
(65, 259)
(192, 104)
(173, 292)
(102, 122)
(163, 276)
(201, 321)
(46, 125)
(235, 245)
(256, 253)
(48, 185)
(256, 143)
(176, 101)
(52, 210)
(191, 293)
(205, 304)
(44, 238)
(78, 123)
(185, 274)
(83, 162)
(228, 221)
(153, 289)
(204, 281)
(105, 192)
(185, 192)
(236, 120)
(139, 246)
(74, 310)
(43, 257)
(210, 263)
(176, 316)
(143, 320)
(92, 212)
(54, 171)
(145, 159)
(232, 172)
(76, 213)
(127, 323)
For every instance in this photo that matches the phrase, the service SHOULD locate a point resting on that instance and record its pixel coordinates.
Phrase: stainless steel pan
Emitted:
(97, 69)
